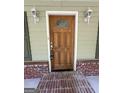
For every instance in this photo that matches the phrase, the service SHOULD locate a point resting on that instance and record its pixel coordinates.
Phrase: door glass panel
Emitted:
(62, 23)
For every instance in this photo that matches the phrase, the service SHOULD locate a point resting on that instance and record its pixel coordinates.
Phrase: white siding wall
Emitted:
(87, 34)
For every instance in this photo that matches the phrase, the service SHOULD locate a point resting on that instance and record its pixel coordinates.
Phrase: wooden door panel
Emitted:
(56, 43)
(68, 40)
(62, 58)
(68, 57)
(62, 41)
(56, 57)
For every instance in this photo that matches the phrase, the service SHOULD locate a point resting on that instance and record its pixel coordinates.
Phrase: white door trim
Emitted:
(75, 13)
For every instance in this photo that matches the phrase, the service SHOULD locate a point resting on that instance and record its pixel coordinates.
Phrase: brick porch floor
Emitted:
(65, 82)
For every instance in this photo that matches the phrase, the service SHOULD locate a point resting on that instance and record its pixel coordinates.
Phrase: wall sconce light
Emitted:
(35, 15)
(87, 15)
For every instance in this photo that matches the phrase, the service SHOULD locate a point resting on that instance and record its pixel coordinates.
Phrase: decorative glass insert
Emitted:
(62, 23)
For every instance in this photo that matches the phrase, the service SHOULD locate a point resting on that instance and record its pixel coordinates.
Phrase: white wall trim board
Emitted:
(75, 13)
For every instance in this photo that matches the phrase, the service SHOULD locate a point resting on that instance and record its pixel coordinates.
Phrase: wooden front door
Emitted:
(62, 42)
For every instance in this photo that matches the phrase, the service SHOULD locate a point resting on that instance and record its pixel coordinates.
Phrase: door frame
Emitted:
(71, 13)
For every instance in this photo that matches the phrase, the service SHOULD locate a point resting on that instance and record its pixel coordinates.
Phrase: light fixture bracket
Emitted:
(35, 15)
(87, 15)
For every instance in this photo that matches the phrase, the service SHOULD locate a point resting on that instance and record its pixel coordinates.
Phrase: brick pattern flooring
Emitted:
(65, 82)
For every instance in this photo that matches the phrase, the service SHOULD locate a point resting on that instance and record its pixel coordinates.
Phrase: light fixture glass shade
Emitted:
(87, 15)
(35, 15)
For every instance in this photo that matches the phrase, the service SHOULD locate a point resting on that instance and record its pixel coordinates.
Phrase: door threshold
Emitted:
(62, 70)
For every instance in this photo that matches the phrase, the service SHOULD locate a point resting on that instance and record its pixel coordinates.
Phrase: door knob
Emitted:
(51, 44)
